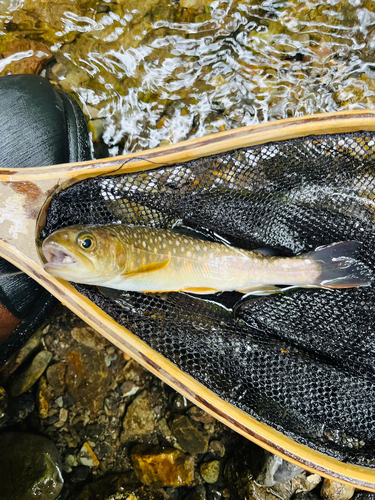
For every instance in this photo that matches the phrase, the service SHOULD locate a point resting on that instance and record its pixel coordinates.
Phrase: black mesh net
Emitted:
(302, 362)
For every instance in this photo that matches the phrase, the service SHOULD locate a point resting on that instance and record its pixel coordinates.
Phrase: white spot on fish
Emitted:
(164, 245)
(144, 244)
(183, 249)
(197, 248)
(286, 266)
(188, 253)
(177, 243)
(205, 249)
(307, 261)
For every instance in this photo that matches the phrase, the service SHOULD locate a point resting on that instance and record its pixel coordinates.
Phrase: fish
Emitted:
(145, 259)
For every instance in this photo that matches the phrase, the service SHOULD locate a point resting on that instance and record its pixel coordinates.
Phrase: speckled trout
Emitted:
(160, 260)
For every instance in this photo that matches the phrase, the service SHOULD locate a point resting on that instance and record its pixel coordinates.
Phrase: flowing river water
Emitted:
(154, 72)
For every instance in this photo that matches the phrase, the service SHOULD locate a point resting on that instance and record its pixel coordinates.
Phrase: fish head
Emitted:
(84, 254)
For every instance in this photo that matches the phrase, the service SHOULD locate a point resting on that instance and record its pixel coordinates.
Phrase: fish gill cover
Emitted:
(301, 362)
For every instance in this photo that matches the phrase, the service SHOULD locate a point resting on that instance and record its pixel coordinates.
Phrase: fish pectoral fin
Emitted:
(200, 290)
(147, 268)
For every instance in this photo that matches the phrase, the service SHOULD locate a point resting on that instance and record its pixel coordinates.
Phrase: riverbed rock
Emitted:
(27, 378)
(3, 402)
(125, 486)
(239, 476)
(190, 438)
(210, 471)
(162, 466)
(44, 397)
(198, 493)
(333, 490)
(142, 415)
(87, 456)
(89, 337)
(30, 467)
(87, 376)
(36, 55)
(56, 377)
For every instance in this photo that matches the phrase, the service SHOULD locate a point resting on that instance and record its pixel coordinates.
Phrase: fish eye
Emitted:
(86, 241)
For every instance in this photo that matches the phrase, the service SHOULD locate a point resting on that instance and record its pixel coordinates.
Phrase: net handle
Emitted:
(24, 199)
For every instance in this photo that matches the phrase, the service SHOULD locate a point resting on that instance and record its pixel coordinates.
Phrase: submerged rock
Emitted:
(123, 486)
(210, 471)
(35, 56)
(30, 467)
(87, 376)
(239, 475)
(3, 402)
(141, 416)
(333, 490)
(162, 466)
(27, 378)
(56, 377)
(189, 437)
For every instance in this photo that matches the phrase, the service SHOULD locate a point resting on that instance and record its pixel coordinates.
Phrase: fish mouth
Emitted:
(58, 257)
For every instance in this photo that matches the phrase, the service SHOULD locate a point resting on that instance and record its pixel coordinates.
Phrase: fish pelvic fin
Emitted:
(339, 266)
(147, 268)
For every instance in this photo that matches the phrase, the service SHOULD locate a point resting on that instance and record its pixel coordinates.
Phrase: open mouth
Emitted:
(58, 257)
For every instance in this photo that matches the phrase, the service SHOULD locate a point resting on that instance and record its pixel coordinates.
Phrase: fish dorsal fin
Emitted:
(147, 268)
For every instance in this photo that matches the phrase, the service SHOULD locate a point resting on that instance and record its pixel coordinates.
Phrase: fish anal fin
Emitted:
(147, 268)
(200, 290)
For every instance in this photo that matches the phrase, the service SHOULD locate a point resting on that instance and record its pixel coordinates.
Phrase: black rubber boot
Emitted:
(39, 126)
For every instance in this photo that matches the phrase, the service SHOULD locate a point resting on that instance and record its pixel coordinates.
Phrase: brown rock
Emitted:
(189, 437)
(333, 490)
(141, 416)
(56, 377)
(30, 63)
(87, 377)
(162, 466)
(89, 337)
(199, 415)
(44, 397)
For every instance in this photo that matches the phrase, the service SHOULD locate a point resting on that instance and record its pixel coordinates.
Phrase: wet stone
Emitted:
(18, 409)
(35, 463)
(218, 448)
(180, 403)
(44, 397)
(27, 378)
(199, 415)
(56, 377)
(87, 457)
(125, 486)
(332, 490)
(305, 495)
(89, 337)
(26, 65)
(162, 466)
(3, 402)
(210, 471)
(87, 377)
(238, 474)
(268, 469)
(198, 493)
(15, 361)
(141, 416)
(189, 437)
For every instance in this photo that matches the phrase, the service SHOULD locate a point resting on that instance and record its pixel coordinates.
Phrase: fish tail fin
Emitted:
(339, 266)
